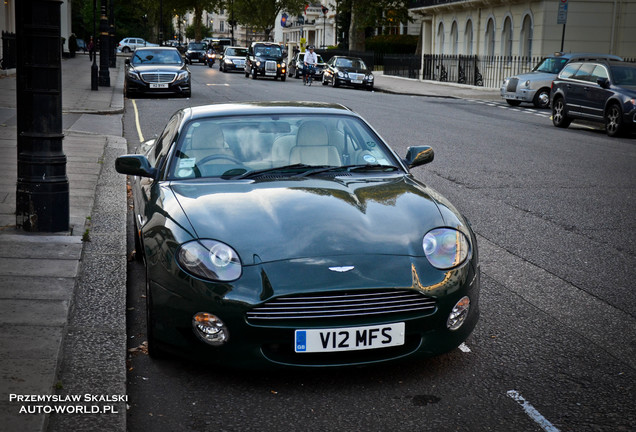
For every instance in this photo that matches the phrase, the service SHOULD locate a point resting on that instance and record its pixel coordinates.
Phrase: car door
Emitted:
(577, 88)
(595, 94)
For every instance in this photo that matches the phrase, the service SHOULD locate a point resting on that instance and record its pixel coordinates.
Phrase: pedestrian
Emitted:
(72, 44)
(91, 49)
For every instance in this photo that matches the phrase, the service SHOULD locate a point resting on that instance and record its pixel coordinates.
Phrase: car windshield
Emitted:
(294, 145)
(350, 63)
(552, 65)
(196, 46)
(241, 52)
(624, 75)
(147, 56)
(268, 51)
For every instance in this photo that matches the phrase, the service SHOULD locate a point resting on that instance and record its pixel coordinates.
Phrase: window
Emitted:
(440, 39)
(469, 38)
(222, 26)
(454, 38)
(506, 38)
(490, 37)
(569, 70)
(526, 37)
(585, 72)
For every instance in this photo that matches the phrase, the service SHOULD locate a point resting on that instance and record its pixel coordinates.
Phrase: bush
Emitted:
(392, 44)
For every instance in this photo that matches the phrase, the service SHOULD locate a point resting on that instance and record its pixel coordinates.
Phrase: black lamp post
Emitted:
(42, 187)
(94, 68)
(104, 74)
(111, 37)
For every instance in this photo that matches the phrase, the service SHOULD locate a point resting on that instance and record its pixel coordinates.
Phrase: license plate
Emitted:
(356, 81)
(349, 338)
(270, 73)
(158, 85)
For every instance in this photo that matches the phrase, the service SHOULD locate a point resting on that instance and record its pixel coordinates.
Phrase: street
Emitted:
(555, 346)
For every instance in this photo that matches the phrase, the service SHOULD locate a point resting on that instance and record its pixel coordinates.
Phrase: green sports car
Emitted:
(290, 234)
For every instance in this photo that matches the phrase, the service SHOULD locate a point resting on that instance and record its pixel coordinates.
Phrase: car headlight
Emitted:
(342, 74)
(282, 64)
(134, 75)
(182, 75)
(209, 259)
(370, 77)
(445, 248)
(258, 63)
(227, 61)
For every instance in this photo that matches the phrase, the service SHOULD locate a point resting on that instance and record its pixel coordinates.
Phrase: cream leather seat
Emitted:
(312, 146)
(208, 139)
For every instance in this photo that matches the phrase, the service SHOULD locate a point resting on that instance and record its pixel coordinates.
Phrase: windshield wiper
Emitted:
(255, 173)
(349, 168)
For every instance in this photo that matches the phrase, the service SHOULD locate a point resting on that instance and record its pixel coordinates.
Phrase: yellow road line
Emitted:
(141, 136)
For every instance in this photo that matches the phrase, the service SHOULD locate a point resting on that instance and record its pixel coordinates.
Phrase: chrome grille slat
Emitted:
(512, 84)
(342, 305)
(158, 78)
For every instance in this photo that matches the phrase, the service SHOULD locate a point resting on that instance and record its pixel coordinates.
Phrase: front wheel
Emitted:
(283, 77)
(614, 120)
(334, 82)
(254, 74)
(125, 50)
(542, 98)
(559, 114)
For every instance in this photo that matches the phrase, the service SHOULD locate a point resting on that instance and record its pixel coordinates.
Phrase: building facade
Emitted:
(526, 27)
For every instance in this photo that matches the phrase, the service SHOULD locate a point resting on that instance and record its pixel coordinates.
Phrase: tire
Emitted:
(254, 74)
(335, 82)
(542, 98)
(324, 81)
(247, 73)
(559, 114)
(513, 102)
(614, 120)
(125, 50)
(283, 77)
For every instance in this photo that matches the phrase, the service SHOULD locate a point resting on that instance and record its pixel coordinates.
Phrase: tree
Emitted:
(367, 15)
(261, 14)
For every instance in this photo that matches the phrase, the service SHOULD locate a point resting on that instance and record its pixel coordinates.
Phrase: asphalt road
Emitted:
(555, 348)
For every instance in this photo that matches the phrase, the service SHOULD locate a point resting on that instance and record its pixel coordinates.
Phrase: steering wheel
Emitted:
(219, 156)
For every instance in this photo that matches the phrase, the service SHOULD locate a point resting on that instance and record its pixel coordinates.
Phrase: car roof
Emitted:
(269, 107)
(605, 61)
(583, 55)
(154, 48)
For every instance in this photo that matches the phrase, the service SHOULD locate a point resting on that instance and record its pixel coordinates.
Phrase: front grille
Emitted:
(342, 305)
(512, 84)
(355, 76)
(270, 66)
(158, 78)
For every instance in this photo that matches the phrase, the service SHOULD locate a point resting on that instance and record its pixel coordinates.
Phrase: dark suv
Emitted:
(265, 59)
(196, 52)
(600, 91)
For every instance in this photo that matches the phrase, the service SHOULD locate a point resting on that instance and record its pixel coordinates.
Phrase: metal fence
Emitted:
(486, 71)
(8, 50)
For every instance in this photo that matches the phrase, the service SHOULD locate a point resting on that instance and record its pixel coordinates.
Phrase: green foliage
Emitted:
(392, 44)
(261, 14)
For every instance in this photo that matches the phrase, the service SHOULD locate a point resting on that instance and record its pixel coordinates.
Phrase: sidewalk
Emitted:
(62, 299)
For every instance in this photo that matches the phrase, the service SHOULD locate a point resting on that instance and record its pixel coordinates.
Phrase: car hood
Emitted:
(353, 70)
(535, 76)
(267, 221)
(628, 90)
(175, 68)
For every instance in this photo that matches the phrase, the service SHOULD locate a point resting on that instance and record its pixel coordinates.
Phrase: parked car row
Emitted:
(579, 86)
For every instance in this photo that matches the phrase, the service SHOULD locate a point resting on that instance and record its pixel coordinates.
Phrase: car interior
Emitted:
(214, 147)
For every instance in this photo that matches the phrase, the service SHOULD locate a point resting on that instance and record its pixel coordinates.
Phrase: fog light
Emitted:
(458, 314)
(210, 329)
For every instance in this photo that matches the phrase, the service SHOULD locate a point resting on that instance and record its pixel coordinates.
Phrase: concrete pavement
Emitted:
(63, 295)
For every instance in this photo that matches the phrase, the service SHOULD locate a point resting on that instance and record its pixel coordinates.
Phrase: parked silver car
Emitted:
(534, 87)
(130, 44)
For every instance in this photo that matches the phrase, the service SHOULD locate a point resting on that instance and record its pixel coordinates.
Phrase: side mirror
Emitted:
(137, 165)
(603, 82)
(419, 155)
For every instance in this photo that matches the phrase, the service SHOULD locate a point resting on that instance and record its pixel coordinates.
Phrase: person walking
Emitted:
(91, 49)
(310, 60)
